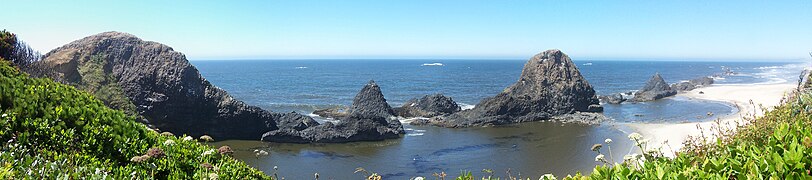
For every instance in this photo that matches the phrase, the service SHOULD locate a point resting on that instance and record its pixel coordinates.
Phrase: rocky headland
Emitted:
(550, 86)
(160, 86)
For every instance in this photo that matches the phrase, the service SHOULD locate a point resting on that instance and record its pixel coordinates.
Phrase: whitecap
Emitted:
(301, 67)
(432, 64)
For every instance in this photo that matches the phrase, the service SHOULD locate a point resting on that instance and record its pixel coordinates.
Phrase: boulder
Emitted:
(655, 88)
(550, 85)
(160, 86)
(428, 106)
(334, 112)
(616, 98)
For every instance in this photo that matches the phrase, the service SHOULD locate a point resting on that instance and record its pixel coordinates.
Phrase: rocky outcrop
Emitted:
(167, 91)
(333, 112)
(692, 84)
(655, 88)
(428, 106)
(616, 98)
(370, 118)
(550, 85)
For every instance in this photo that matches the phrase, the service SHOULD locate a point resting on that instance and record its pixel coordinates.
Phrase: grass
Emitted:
(53, 131)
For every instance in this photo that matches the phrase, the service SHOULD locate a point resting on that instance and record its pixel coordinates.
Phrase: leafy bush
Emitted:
(50, 130)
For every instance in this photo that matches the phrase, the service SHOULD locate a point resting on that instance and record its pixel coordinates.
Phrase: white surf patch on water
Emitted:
(301, 67)
(414, 132)
(432, 64)
(464, 106)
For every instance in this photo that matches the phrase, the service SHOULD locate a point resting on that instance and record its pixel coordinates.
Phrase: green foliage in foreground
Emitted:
(53, 131)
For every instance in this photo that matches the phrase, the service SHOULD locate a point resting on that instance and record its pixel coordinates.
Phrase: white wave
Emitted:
(414, 134)
(464, 106)
(301, 67)
(414, 130)
(408, 120)
(587, 64)
(432, 64)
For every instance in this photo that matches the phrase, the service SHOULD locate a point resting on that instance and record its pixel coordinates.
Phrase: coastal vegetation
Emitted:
(53, 131)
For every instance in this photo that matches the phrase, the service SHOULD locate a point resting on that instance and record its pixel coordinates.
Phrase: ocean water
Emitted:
(529, 148)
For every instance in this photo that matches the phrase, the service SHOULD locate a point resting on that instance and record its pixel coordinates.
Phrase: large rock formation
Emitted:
(370, 118)
(550, 85)
(428, 106)
(692, 84)
(655, 88)
(165, 89)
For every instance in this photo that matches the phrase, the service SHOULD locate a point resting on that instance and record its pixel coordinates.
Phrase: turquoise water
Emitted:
(529, 148)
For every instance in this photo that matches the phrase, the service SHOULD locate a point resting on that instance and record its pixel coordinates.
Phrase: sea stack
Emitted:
(550, 85)
(161, 86)
(655, 88)
(370, 119)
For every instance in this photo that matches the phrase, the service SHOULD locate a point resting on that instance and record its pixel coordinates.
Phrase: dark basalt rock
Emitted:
(370, 118)
(692, 84)
(550, 85)
(655, 88)
(334, 112)
(428, 106)
(616, 98)
(370, 103)
(166, 89)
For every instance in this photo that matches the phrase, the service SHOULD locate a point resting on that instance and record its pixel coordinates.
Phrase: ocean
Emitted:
(531, 149)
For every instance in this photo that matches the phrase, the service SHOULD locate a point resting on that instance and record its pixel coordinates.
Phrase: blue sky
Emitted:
(744, 30)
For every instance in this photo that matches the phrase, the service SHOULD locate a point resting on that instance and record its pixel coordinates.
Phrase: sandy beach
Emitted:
(670, 136)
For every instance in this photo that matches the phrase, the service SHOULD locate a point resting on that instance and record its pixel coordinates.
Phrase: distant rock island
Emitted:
(655, 88)
(369, 118)
(550, 87)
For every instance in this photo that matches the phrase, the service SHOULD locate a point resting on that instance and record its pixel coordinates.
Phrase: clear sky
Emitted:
(746, 30)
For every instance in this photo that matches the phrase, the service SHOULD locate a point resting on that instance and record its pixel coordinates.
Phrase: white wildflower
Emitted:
(208, 152)
(608, 141)
(188, 138)
(547, 177)
(261, 152)
(635, 136)
(169, 142)
(206, 138)
(600, 158)
(4, 115)
(213, 176)
(628, 157)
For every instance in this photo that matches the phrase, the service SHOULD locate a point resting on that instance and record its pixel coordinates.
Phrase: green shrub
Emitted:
(50, 130)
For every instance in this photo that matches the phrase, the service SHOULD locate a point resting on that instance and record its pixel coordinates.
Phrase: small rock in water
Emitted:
(700, 92)
(638, 115)
(710, 113)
